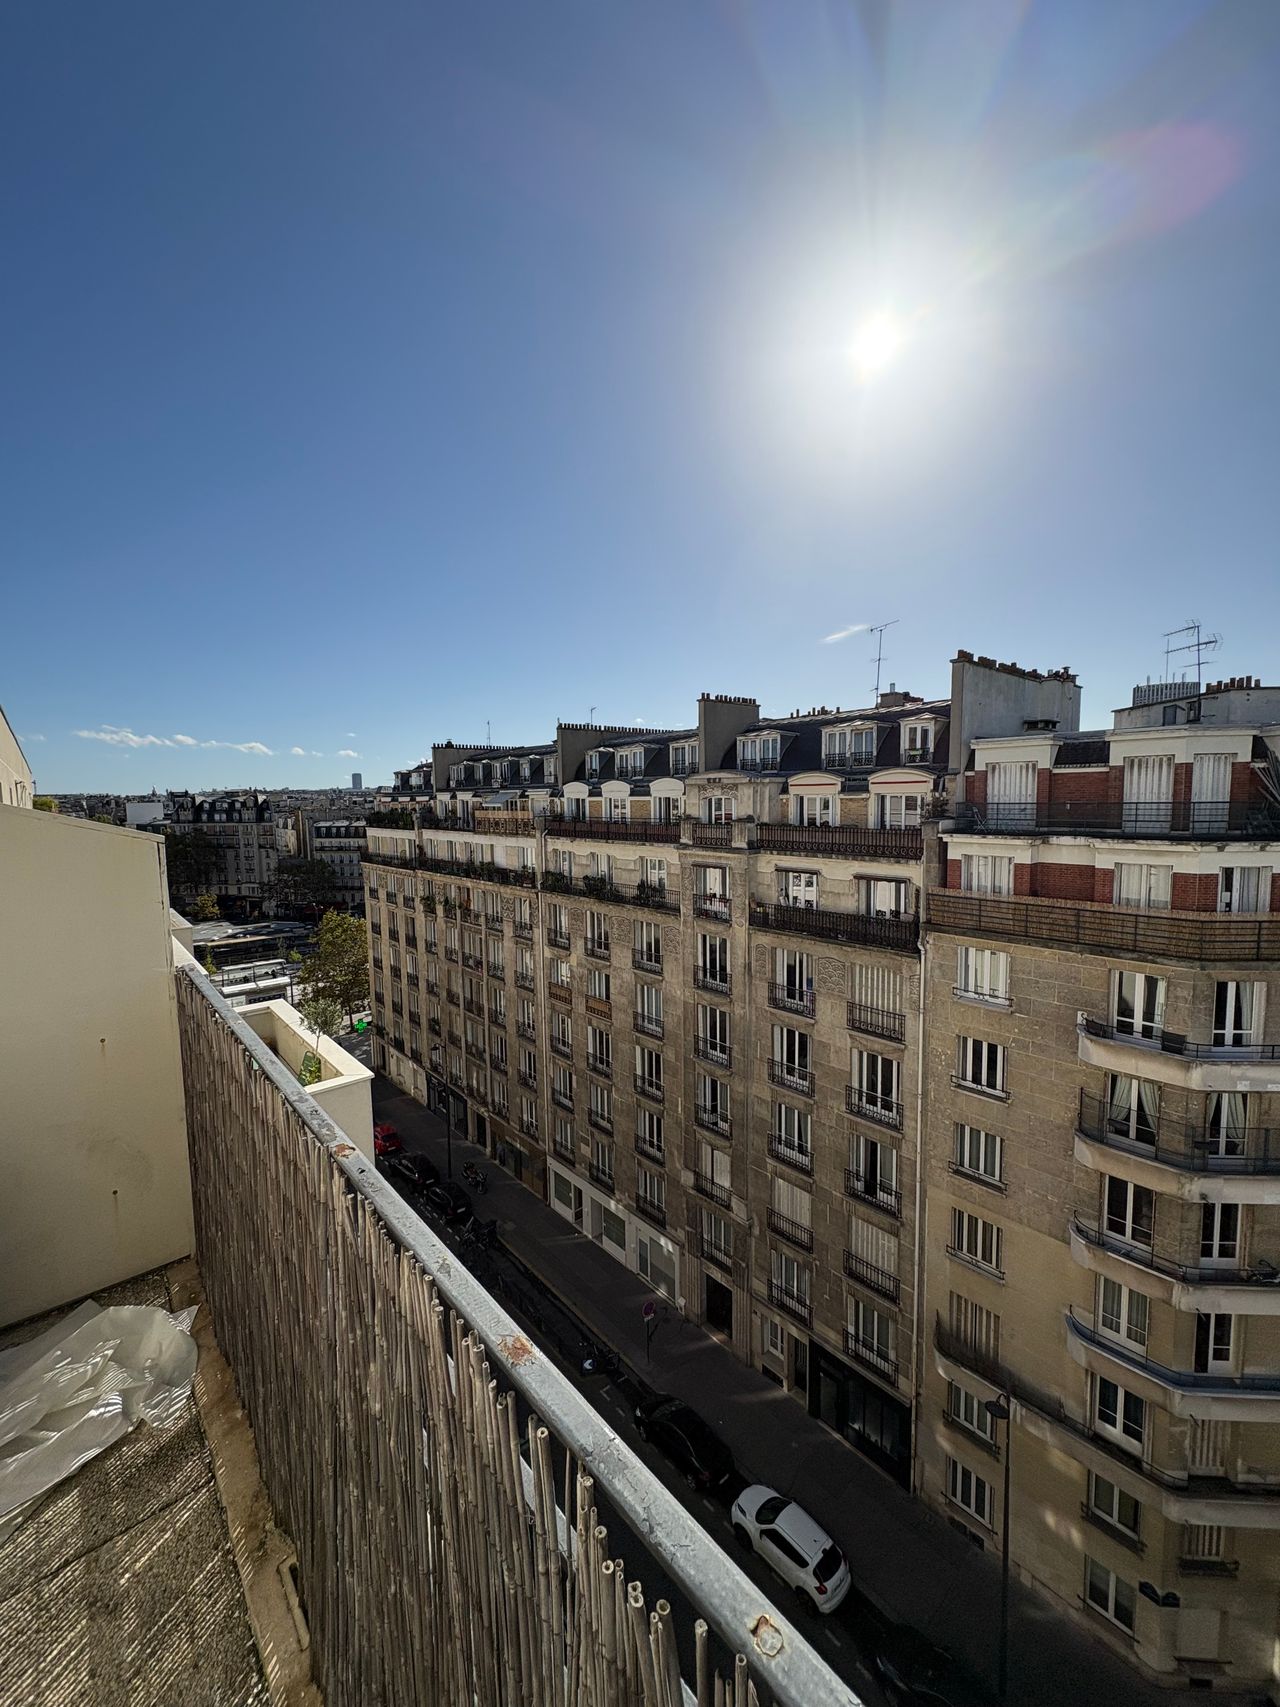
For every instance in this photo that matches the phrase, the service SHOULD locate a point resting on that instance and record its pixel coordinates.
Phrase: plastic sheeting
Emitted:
(85, 1382)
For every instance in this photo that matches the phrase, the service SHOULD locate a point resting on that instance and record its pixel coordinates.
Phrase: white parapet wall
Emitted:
(344, 1088)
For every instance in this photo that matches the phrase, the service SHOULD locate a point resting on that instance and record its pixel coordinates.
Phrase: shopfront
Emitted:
(862, 1411)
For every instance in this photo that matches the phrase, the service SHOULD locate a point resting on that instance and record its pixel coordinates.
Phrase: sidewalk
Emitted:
(903, 1557)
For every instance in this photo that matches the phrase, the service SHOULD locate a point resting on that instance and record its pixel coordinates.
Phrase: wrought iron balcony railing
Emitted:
(791, 1077)
(1138, 932)
(1186, 820)
(871, 1105)
(826, 925)
(794, 1232)
(840, 841)
(877, 1022)
(792, 1000)
(873, 1191)
(1179, 1144)
(795, 1304)
(792, 1154)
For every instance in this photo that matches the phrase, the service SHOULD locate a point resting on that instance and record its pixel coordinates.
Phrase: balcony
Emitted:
(877, 1022)
(652, 1211)
(647, 1026)
(493, 922)
(655, 896)
(528, 1079)
(791, 1077)
(716, 1254)
(650, 1088)
(488, 822)
(597, 948)
(714, 1190)
(866, 1190)
(879, 1280)
(1138, 933)
(600, 1174)
(564, 1152)
(557, 938)
(1240, 1165)
(794, 1304)
(473, 1007)
(525, 1029)
(840, 841)
(497, 971)
(794, 1232)
(717, 983)
(559, 1045)
(1180, 820)
(601, 1121)
(1173, 1059)
(1220, 1396)
(790, 1154)
(598, 829)
(523, 930)
(712, 1050)
(529, 1126)
(557, 992)
(870, 1355)
(476, 1051)
(650, 1150)
(790, 1000)
(870, 1105)
(708, 835)
(644, 961)
(1224, 1287)
(601, 1065)
(900, 935)
(713, 907)
(563, 1099)
(524, 980)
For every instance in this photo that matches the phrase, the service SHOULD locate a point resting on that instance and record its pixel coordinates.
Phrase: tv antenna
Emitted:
(1198, 644)
(878, 631)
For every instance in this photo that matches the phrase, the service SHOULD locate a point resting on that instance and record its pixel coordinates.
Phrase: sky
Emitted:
(381, 374)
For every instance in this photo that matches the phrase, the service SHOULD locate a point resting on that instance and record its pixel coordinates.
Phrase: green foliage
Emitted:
(294, 957)
(205, 909)
(191, 859)
(208, 964)
(304, 883)
(338, 970)
(395, 818)
(310, 1070)
(44, 803)
(102, 818)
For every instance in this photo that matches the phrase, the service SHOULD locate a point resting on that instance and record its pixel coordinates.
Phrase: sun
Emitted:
(878, 343)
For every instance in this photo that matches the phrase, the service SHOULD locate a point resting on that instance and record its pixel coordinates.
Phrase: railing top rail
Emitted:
(715, 1584)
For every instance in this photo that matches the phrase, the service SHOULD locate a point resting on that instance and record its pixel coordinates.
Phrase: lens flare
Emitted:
(877, 344)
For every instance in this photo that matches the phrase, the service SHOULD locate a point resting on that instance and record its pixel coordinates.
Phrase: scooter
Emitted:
(475, 1177)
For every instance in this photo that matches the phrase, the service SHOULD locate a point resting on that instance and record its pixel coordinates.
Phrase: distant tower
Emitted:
(357, 781)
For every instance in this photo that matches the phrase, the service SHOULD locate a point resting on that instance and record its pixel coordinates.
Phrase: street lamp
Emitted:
(1001, 1410)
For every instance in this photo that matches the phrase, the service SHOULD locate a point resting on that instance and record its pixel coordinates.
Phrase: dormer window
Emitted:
(684, 758)
(917, 741)
(629, 761)
(526, 770)
(759, 752)
(849, 746)
(595, 760)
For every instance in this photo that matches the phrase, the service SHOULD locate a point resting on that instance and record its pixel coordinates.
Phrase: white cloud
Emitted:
(351, 734)
(122, 737)
(31, 737)
(346, 753)
(298, 752)
(844, 633)
(117, 737)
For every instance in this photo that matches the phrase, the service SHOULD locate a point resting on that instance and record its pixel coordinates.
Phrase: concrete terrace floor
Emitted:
(122, 1587)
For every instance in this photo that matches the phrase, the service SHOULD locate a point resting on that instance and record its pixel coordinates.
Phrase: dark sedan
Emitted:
(447, 1201)
(696, 1450)
(411, 1173)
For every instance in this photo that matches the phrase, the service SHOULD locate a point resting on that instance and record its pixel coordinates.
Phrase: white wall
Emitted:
(343, 1089)
(15, 773)
(93, 1145)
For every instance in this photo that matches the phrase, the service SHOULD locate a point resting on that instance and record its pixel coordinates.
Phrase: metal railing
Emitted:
(645, 962)
(598, 829)
(794, 1232)
(840, 841)
(1189, 1274)
(713, 1119)
(715, 1253)
(712, 1189)
(1261, 1383)
(879, 1280)
(713, 907)
(599, 1174)
(1192, 820)
(1179, 1144)
(886, 1197)
(870, 1105)
(710, 1049)
(791, 1077)
(877, 1022)
(791, 1154)
(708, 835)
(651, 1088)
(791, 1000)
(712, 981)
(650, 1149)
(901, 935)
(651, 1210)
(868, 1353)
(795, 1304)
(1174, 1043)
(601, 1065)
(1140, 932)
(647, 1026)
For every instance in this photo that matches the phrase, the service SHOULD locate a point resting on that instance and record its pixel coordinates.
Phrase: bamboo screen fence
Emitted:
(436, 1564)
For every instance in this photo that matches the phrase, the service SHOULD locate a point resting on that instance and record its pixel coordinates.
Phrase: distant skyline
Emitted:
(376, 374)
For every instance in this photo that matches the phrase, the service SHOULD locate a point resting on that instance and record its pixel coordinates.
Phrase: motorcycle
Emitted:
(475, 1177)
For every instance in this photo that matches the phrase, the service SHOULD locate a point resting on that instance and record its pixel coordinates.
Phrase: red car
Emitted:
(387, 1141)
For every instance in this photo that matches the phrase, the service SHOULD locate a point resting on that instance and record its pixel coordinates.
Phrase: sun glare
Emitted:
(877, 344)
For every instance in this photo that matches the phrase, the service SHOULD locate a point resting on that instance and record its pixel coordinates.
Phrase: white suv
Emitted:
(797, 1548)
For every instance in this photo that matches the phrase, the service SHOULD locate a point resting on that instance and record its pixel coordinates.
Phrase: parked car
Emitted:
(412, 1173)
(386, 1141)
(447, 1200)
(793, 1544)
(693, 1447)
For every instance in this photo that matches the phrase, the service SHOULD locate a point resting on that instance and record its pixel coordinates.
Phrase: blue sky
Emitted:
(379, 374)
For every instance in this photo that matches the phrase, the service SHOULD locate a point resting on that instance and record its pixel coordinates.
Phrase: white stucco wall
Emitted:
(93, 1147)
(16, 784)
(344, 1088)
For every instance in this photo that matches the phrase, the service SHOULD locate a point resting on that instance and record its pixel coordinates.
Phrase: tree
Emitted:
(102, 818)
(192, 860)
(44, 803)
(338, 970)
(208, 964)
(394, 818)
(324, 1017)
(205, 909)
(302, 883)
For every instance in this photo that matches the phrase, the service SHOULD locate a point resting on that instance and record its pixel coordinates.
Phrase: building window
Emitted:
(1113, 1505)
(970, 1492)
(1142, 885)
(1129, 1211)
(874, 1334)
(1123, 1313)
(980, 1065)
(977, 1240)
(875, 1079)
(917, 741)
(791, 1131)
(987, 874)
(976, 1327)
(1219, 1234)
(1137, 1002)
(875, 1166)
(600, 985)
(1214, 1334)
(979, 1153)
(1120, 1415)
(983, 973)
(1111, 1595)
(1133, 1108)
(815, 809)
(844, 747)
(718, 809)
(713, 960)
(1244, 889)
(897, 811)
(1237, 1014)
(970, 1412)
